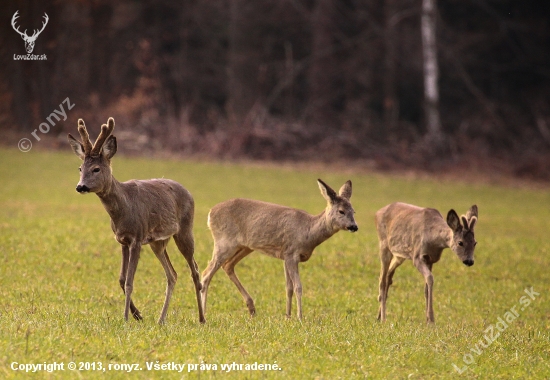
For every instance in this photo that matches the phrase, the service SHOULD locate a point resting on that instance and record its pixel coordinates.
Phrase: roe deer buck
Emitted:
(240, 226)
(420, 234)
(142, 212)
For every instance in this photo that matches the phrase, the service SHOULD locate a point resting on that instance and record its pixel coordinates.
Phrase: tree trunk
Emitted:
(391, 106)
(100, 16)
(321, 71)
(243, 63)
(243, 75)
(431, 74)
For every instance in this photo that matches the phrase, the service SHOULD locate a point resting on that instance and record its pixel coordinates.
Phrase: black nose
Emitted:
(353, 228)
(82, 189)
(468, 262)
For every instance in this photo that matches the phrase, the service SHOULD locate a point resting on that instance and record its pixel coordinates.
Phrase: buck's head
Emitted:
(464, 242)
(95, 171)
(339, 211)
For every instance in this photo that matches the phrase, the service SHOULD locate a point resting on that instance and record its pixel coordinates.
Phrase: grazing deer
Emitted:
(420, 234)
(142, 212)
(240, 226)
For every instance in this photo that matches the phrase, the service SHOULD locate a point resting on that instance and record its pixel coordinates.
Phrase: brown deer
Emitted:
(142, 212)
(420, 234)
(240, 226)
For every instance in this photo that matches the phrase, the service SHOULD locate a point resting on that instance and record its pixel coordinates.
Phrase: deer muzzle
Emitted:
(82, 189)
(353, 228)
(468, 262)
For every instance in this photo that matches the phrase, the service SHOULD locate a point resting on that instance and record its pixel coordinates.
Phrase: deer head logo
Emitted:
(29, 40)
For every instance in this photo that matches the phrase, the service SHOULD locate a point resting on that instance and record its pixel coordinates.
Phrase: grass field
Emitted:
(61, 302)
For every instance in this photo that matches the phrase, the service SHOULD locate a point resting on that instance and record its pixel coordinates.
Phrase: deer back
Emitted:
(148, 210)
(278, 230)
(259, 225)
(406, 229)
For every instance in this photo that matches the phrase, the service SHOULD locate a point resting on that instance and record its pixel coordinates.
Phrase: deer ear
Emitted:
(109, 147)
(345, 190)
(326, 191)
(78, 149)
(453, 221)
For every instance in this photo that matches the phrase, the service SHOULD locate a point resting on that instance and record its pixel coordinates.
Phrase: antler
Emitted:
(472, 212)
(469, 220)
(36, 32)
(15, 16)
(106, 131)
(86, 143)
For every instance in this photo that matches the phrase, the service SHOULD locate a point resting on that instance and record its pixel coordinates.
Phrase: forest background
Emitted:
(290, 80)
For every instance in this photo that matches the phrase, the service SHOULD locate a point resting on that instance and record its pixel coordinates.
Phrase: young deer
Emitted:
(240, 226)
(142, 212)
(420, 234)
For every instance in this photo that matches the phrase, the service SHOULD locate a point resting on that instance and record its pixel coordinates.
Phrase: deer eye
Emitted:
(341, 212)
(79, 169)
(96, 170)
(460, 243)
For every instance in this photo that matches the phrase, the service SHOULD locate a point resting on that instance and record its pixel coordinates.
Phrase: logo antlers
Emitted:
(29, 40)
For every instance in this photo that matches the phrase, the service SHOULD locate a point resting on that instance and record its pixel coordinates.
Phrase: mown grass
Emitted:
(60, 299)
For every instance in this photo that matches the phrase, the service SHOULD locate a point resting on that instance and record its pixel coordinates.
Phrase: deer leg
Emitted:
(229, 268)
(289, 293)
(430, 283)
(221, 254)
(207, 275)
(186, 245)
(385, 260)
(395, 262)
(122, 281)
(159, 248)
(425, 269)
(291, 267)
(133, 259)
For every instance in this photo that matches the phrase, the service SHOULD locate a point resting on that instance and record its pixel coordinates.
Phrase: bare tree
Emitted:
(431, 71)
(391, 106)
(321, 71)
(244, 72)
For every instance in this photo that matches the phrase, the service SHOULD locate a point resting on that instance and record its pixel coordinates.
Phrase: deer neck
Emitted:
(113, 198)
(321, 229)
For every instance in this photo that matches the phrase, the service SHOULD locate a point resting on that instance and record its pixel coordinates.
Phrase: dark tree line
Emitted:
(288, 79)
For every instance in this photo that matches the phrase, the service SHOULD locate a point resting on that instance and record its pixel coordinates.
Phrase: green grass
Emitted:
(60, 299)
